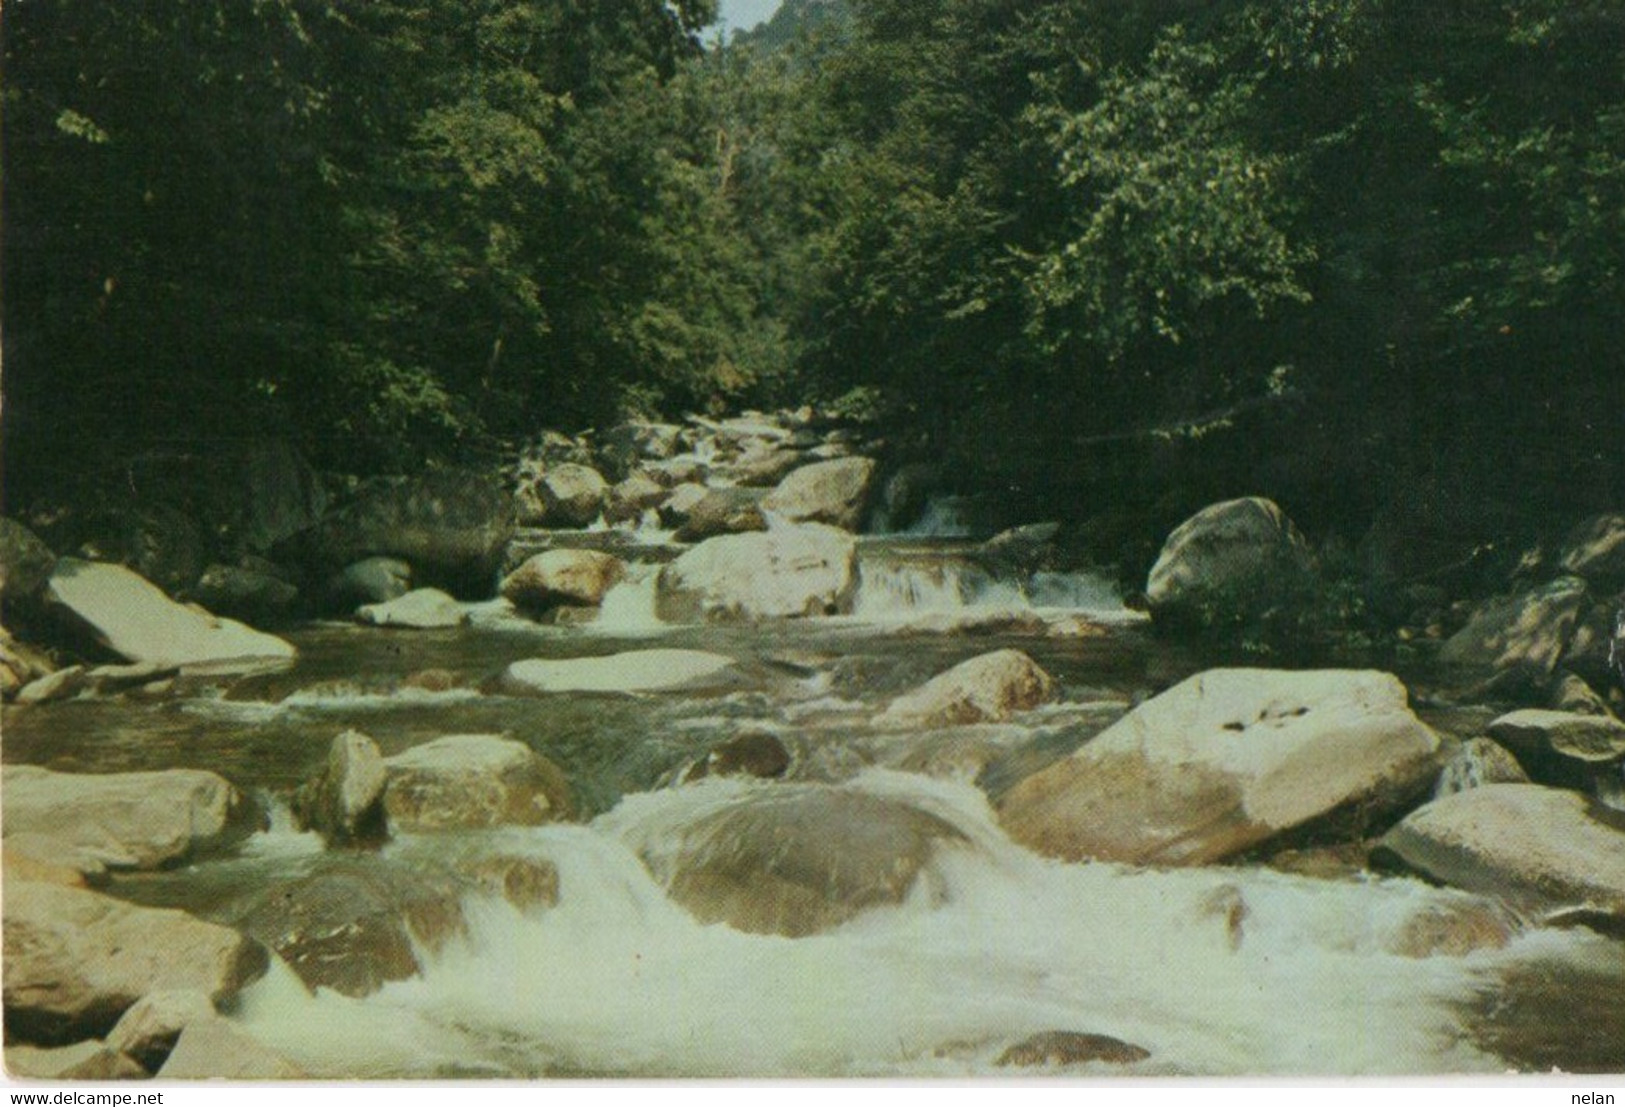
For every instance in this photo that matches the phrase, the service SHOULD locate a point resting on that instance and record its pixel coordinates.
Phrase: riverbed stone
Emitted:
(25, 565)
(797, 859)
(764, 464)
(64, 684)
(991, 688)
(469, 781)
(833, 492)
(419, 609)
(1591, 738)
(124, 820)
(561, 495)
(724, 511)
(87, 1060)
(628, 500)
(557, 577)
(632, 672)
(676, 508)
(1226, 761)
(1230, 563)
(1070, 1047)
(345, 802)
(1479, 762)
(1518, 638)
(788, 572)
(77, 960)
(353, 927)
(147, 1032)
(242, 592)
(1545, 849)
(133, 618)
(216, 1049)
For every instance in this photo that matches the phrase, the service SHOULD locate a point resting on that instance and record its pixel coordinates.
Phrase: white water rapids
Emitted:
(1214, 971)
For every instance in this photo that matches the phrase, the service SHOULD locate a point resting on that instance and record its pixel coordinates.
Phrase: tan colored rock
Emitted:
(1069, 1047)
(87, 1060)
(473, 780)
(1230, 562)
(76, 960)
(788, 572)
(132, 617)
(1521, 636)
(1226, 761)
(148, 1030)
(833, 492)
(576, 577)
(1453, 930)
(1594, 738)
(986, 689)
(1539, 847)
(563, 494)
(64, 684)
(1595, 549)
(124, 820)
(345, 802)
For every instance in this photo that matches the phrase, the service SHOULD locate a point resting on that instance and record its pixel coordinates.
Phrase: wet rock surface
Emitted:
(471, 781)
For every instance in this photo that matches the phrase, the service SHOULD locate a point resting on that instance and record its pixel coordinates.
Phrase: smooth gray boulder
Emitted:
(1229, 563)
(371, 580)
(134, 619)
(788, 572)
(1225, 762)
(124, 820)
(77, 960)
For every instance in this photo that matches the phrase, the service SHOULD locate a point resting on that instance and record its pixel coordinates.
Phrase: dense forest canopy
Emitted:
(1095, 253)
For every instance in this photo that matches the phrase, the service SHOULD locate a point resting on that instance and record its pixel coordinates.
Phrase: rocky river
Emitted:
(793, 776)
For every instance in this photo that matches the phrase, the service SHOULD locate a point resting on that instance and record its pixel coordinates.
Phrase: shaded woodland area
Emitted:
(1111, 261)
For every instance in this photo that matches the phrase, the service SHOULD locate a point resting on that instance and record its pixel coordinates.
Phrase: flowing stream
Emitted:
(1220, 970)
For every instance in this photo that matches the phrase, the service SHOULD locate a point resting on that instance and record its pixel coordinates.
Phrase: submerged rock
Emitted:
(788, 572)
(1069, 1047)
(1230, 563)
(752, 754)
(832, 492)
(422, 609)
(1543, 848)
(77, 960)
(1226, 761)
(473, 780)
(123, 820)
(556, 577)
(797, 859)
(133, 618)
(990, 688)
(633, 672)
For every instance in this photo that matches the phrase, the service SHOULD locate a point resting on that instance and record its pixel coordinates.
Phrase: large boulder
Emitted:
(245, 592)
(632, 497)
(147, 1031)
(164, 543)
(131, 617)
(77, 960)
(1225, 762)
(122, 820)
(723, 511)
(623, 446)
(353, 927)
(788, 572)
(986, 689)
(833, 492)
(1545, 849)
(796, 859)
(677, 507)
(452, 526)
(1519, 638)
(1230, 563)
(634, 672)
(562, 495)
(370, 580)
(1590, 738)
(471, 781)
(420, 609)
(577, 577)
